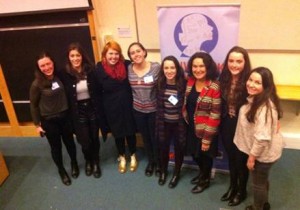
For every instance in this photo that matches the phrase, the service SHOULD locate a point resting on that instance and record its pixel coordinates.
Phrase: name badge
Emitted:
(55, 85)
(173, 100)
(148, 79)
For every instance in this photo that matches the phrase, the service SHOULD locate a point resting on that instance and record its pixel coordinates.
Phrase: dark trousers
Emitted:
(205, 163)
(58, 129)
(260, 183)
(237, 160)
(131, 143)
(87, 131)
(171, 133)
(146, 126)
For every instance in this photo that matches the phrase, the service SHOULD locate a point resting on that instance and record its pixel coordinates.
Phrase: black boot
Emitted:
(96, 169)
(162, 178)
(149, 169)
(197, 178)
(229, 194)
(201, 186)
(238, 198)
(74, 169)
(174, 181)
(64, 176)
(88, 168)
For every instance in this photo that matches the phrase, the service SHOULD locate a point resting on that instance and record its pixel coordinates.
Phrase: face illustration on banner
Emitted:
(195, 32)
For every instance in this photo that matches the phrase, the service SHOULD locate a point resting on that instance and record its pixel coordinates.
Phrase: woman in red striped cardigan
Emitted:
(201, 110)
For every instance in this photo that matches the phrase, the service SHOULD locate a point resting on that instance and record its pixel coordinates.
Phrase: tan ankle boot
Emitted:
(133, 163)
(122, 164)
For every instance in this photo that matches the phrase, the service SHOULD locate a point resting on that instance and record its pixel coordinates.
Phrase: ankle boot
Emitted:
(149, 169)
(238, 198)
(88, 168)
(64, 177)
(162, 178)
(96, 169)
(174, 181)
(133, 163)
(229, 194)
(122, 164)
(201, 186)
(197, 178)
(74, 169)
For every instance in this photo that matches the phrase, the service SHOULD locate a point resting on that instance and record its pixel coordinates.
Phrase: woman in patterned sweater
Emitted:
(201, 110)
(170, 124)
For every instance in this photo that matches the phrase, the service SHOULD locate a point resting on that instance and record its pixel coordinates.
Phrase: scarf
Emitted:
(117, 71)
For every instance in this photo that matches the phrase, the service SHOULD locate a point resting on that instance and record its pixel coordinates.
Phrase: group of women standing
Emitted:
(165, 105)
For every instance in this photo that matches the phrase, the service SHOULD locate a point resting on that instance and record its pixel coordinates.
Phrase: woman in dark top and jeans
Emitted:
(49, 110)
(78, 79)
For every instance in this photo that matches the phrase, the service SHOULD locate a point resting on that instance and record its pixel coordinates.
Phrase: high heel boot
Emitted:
(74, 169)
(229, 194)
(122, 164)
(96, 169)
(133, 163)
(64, 176)
(88, 168)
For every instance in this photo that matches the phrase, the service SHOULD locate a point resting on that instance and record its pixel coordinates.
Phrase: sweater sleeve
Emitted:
(34, 97)
(213, 121)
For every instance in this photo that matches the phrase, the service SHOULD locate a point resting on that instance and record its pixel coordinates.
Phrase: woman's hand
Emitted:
(40, 131)
(251, 162)
(205, 147)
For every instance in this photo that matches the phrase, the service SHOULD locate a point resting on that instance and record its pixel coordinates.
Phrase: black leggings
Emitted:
(58, 129)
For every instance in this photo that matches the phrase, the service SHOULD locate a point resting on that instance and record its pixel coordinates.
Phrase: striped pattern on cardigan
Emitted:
(208, 110)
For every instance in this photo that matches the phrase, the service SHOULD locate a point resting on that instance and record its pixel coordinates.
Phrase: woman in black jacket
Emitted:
(78, 80)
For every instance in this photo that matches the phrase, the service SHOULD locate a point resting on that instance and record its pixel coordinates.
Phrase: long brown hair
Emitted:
(268, 93)
(86, 65)
(179, 79)
(226, 78)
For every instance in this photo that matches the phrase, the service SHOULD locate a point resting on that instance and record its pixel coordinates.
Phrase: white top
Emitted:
(262, 138)
(82, 90)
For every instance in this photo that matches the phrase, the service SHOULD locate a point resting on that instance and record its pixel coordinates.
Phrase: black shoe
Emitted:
(74, 169)
(64, 177)
(196, 179)
(88, 168)
(149, 169)
(162, 178)
(249, 208)
(201, 186)
(174, 181)
(229, 194)
(96, 170)
(237, 199)
(157, 171)
(267, 206)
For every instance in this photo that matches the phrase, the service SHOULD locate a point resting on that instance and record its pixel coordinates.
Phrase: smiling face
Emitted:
(137, 54)
(112, 56)
(199, 69)
(236, 63)
(254, 84)
(75, 59)
(46, 66)
(169, 69)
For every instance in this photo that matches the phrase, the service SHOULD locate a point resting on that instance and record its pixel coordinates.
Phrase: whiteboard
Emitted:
(8, 7)
(264, 24)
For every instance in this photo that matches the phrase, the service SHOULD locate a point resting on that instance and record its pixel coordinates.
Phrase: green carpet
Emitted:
(34, 183)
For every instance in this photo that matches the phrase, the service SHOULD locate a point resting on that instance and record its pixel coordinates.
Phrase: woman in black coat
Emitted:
(111, 75)
(80, 87)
